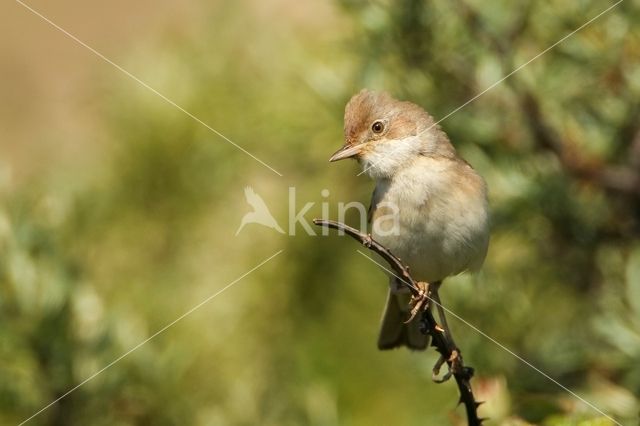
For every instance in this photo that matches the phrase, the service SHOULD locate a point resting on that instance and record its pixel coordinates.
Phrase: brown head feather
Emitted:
(404, 118)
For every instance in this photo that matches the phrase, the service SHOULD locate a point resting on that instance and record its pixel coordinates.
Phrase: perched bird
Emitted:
(429, 206)
(260, 213)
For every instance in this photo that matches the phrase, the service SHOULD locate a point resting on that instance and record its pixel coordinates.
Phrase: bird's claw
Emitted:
(368, 241)
(436, 370)
(453, 365)
(418, 302)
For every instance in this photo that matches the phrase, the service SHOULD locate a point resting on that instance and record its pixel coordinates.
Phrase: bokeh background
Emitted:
(118, 211)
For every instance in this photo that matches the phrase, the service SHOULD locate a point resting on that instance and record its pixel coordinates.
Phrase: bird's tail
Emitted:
(394, 332)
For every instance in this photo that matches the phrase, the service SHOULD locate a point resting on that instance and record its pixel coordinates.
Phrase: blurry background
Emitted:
(118, 211)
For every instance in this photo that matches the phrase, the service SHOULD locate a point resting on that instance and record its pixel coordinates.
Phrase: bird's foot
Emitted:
(368, 240)
(453, 365)
(418, 302)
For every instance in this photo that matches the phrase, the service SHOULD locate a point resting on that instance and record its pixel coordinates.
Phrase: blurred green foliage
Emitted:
(95, 262)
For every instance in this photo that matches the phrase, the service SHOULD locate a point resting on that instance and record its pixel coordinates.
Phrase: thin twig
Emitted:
(449, 352)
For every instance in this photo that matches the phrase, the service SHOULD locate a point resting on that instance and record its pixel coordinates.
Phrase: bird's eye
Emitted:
(377, 126)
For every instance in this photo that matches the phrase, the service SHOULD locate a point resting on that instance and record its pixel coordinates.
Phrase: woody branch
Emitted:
(448, 351)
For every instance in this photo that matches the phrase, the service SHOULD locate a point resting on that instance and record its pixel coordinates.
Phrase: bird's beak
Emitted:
(347, 151)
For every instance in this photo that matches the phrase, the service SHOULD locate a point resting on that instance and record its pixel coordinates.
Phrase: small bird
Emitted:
(429, 206)
(260, 213)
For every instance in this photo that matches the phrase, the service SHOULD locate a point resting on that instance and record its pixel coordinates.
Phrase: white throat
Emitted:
(386, 158)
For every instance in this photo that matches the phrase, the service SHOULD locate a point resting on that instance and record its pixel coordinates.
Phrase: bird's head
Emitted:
(385, 134)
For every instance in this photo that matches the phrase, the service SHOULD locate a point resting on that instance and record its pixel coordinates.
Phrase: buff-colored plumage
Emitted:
(435, 199)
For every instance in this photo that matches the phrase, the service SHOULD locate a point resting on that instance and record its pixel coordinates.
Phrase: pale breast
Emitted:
(434, 216)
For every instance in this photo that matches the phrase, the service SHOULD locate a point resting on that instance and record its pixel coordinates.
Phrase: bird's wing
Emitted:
(376, 196)
(254, 199)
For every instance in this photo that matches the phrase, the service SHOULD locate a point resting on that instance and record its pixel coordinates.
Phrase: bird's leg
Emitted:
(454, 359)
(418, 302)
(441, 315)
